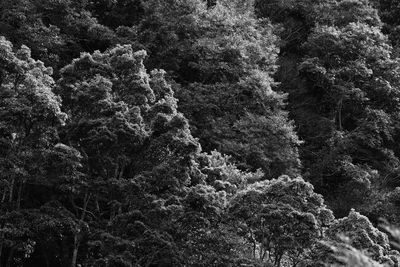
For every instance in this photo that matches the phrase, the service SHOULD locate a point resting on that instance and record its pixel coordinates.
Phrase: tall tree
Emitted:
(233, 96)
(281, 219)
(352, 90)
(343, 84)
(55, 31)
(137, 149)
(29, 116)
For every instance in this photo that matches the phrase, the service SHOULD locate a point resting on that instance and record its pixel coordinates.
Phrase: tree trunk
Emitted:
(46, 258)
(78, 232)
(4, 195)
(97, 203)
(75, 251)
(20, 195)
(11, 190)
(1, 250)
(340, 106)
(10, 257)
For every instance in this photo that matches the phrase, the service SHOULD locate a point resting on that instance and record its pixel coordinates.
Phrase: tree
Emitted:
(167, 32)
(356, 100)
(355, 232)
(234, 97)
(30, 114)
(55, 31)
(137, 150)
(213, 52)
(387, 10)
(280, 219)
(342, 94)
(209, 236)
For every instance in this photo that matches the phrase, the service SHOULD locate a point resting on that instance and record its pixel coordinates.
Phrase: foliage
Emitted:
(354, 241)
(233, 96)
(364, 236)
(104, 168)
(346, 85)
(280, 218)
(29, 115)
(56, 31)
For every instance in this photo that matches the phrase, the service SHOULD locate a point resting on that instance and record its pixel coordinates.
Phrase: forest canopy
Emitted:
(199, 133)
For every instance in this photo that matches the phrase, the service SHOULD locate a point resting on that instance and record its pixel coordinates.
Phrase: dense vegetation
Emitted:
(264, 133)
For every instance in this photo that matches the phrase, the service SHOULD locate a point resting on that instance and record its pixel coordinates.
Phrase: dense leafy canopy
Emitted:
(252, 113)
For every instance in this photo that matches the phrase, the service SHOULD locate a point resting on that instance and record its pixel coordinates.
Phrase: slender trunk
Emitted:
(78, 232)
(10, 257)
(340, 114)
(278, 259)
(85, 204)
(97, 203)
(254, 244)
(74, 205)
(4, 195)
(116, 171)
(112, 214)
(1, 251)
(75, 251)
(20, 195)
(262, 253)
(46, 258)
(121, 172)
(11, 190)
(254, 250)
